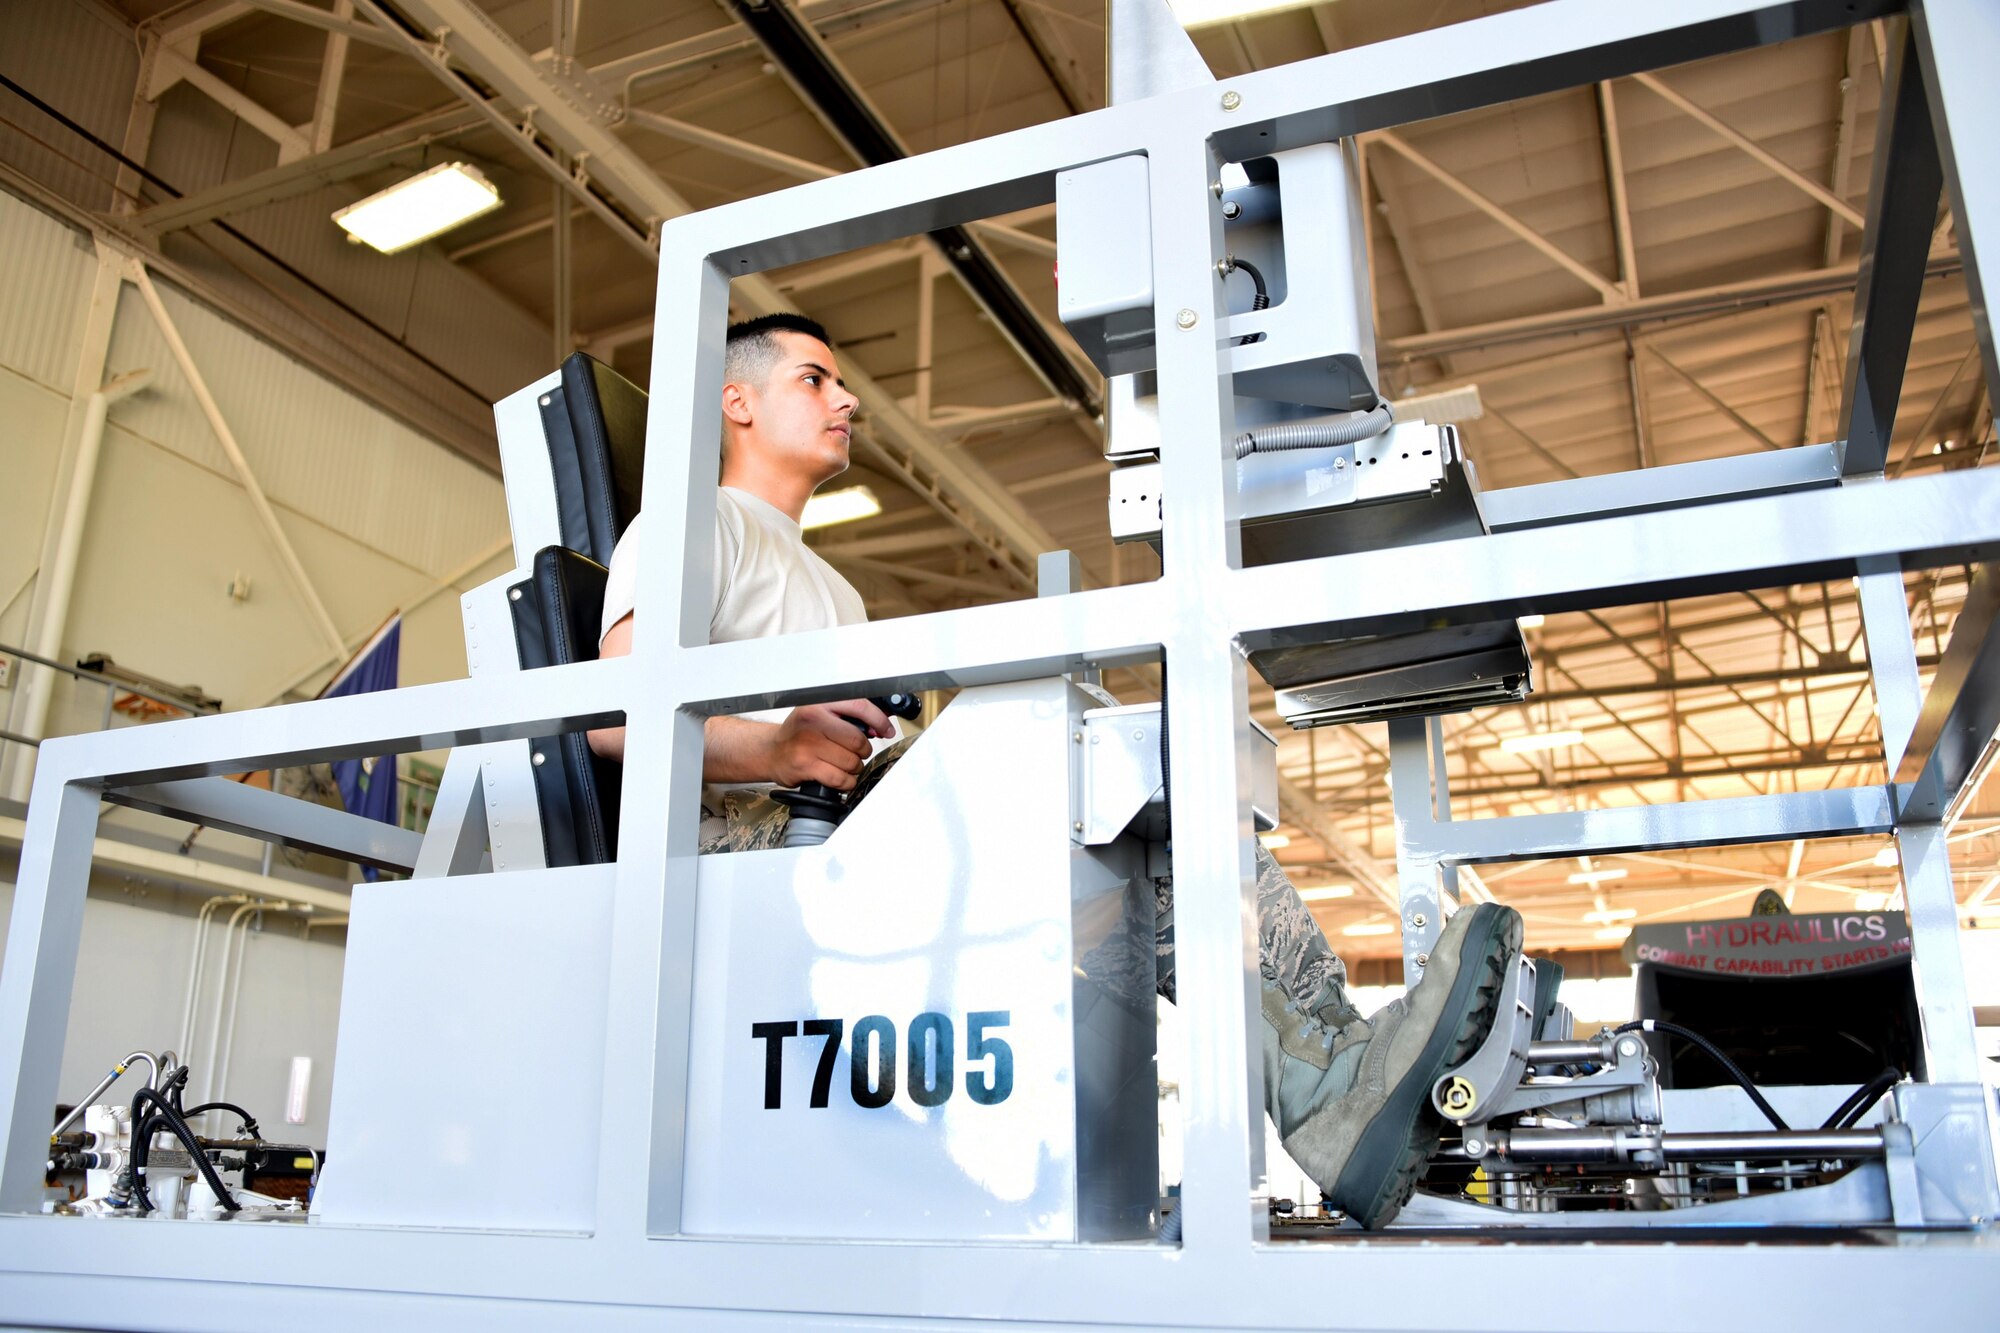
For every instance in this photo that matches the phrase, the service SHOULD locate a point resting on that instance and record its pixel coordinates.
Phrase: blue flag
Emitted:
(368, 786)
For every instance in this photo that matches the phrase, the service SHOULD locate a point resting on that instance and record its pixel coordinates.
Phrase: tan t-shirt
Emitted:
(767, 582)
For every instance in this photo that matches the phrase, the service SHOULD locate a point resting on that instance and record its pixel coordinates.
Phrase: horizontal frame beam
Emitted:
(237, 807)
(1649, 490)
(1841, 813)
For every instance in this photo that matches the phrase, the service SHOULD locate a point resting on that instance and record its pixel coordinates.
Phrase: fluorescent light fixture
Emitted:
(1887, 856)
(1531, 622)
(298, 1089)
(1319, 893)
(1605, 916)
(1273, 841)
(841, 506)
(1596, 876)
(1540, 740)
(1205, 13)
(1371, 928)
(419, 208)
(1870, 902)
(1614, 932)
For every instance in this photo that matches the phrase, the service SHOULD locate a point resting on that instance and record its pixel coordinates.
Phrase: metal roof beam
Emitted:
(826, 87)
(305, 174)
(1806, 285)
(1561, 258)
(1840, 207)
(570, 116)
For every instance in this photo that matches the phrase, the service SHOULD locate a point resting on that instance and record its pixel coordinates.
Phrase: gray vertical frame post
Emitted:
(39, 974)
(1419, 883)
(1057, 574)
(1958, 43)
(652, 973)
(1892, 653)
(1950, 1051)
(1441, 805)
(1902, 209)
(1209, 726)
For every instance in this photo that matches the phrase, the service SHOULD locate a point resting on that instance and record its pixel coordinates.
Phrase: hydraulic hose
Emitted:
(1861, 1099)
(1351, 429)
(1714, 1053)
(249, 1121)
(142, 1138)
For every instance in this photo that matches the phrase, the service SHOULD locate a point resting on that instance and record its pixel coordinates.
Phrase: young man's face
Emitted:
(799, 416)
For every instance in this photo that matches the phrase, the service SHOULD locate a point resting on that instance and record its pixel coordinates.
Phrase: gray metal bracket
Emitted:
(1623, 1064)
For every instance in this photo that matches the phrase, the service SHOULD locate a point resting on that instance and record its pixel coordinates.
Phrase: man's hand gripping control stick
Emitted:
(817, 809)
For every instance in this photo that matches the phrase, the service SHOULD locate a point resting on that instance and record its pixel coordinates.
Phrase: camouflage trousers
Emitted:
(1292, 952)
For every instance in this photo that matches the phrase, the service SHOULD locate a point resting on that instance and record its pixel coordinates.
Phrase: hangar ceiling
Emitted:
(1640, 273)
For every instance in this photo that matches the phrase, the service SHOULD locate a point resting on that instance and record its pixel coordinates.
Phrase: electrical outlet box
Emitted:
(1104, 262)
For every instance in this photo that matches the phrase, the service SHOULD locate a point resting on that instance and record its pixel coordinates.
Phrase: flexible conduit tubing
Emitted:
(1323, 434)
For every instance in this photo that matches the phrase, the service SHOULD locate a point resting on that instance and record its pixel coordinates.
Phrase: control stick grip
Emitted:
(905, 706)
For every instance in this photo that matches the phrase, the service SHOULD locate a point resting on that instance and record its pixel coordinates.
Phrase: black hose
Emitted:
(1261, 301)
(142, 1138)
(1714, 1052)
(249, 1121)
(1861, 1099)
(171, 1089)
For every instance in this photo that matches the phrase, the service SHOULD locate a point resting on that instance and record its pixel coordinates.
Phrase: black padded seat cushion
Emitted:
(556, 617)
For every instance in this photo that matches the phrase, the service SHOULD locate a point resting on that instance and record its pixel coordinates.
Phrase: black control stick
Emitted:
(817, 809)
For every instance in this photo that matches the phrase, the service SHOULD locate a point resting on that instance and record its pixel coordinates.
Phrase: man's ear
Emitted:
(736, 404)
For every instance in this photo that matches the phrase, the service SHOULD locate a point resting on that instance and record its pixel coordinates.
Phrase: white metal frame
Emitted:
(1200, 614)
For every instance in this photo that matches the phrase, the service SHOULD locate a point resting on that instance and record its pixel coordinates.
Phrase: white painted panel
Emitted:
(946, 893)
(472, 1053)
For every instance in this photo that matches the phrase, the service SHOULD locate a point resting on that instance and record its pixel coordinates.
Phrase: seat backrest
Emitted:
(595, 427)
(555, 623)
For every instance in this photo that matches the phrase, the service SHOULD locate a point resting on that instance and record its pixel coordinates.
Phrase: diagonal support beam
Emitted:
(620, 181)
(1614, 180)
(1561, 258)
(337, 21)
(1709, 397)
(1299, 808)
(1751, 148)
(171, 67)
(332, 70)
(307, 173)
(301, 581)
(826, 87)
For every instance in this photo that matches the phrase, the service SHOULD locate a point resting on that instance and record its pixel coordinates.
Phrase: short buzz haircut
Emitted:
(753, 347)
